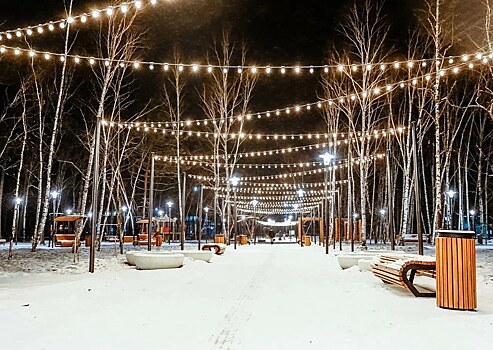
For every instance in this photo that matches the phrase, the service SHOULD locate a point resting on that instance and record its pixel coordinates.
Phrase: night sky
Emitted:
(273, 30)
(275, 33)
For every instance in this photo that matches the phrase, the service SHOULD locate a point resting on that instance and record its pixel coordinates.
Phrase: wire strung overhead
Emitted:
(96, 14)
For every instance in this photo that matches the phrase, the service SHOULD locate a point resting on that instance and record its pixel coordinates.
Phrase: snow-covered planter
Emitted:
(204, 255)
(348, 260)
(131, 255)
(365, 264)
(152, 261)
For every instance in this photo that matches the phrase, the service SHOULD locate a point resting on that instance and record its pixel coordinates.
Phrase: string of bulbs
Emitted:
(50, 26)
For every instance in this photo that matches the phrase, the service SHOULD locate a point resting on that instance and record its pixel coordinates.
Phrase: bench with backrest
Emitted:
(401, 270)
(142, 239)
(128, 239)
(64, 240)
(219, 248)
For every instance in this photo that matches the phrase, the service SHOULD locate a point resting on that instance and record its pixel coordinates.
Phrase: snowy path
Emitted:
(258, 297)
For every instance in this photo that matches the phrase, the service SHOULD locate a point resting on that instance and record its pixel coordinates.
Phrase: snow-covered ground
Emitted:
(266, 296)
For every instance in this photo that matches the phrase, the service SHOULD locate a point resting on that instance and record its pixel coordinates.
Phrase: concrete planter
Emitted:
(152, 261)
(204, 255)
(131, 255)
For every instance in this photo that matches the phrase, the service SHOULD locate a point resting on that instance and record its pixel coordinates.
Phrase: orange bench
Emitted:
(64, 240)
(394, 270)
(143, 240)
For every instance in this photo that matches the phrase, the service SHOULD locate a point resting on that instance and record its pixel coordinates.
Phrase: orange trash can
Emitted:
(456, 270)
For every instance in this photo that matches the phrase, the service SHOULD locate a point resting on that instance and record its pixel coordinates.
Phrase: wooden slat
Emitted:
(460, 273)
(456, 273)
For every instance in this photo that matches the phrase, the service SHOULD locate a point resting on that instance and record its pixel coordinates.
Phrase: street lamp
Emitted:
(254, 203)
(327, 158)
(235, 181)
(170, 204)
(450, 194)
(206, 209)
(54, 196)
(472, 212)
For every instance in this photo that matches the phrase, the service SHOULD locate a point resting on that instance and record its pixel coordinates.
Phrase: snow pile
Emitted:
(255, 297)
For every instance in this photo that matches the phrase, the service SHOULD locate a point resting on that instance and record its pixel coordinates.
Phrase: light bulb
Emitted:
(109, 11)
(138, 4)
(29, 32)
(77, 60)
(18, 34)
(166, 67)
(70, 20)
(47, 56)
(92, 61)
(62, 25)
(267, 70)
(209, 69)
(83, 19)
(283, 70)
(180, 67)
(124, 8)
(50, 27)
(254, 70)
(95, 13)
(297, 70)
(31, 53)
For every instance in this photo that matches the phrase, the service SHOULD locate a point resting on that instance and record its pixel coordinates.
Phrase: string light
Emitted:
(82, 18)
(336, 138)
(297, 174)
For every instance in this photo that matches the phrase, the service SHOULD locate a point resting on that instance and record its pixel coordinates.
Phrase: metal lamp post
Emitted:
(54, 197)
(169, 204)
(327, 158)
(383, 214)
(235, 181)
(254, 203)
(295, 208)
(472, 213)
(300, 194)
(206, 209)
(17, 202)
(450, 194)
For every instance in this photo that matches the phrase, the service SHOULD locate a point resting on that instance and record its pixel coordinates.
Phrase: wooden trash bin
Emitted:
(87, 240)
(306, 241)
(456, 270)
(219, 239)
(243, 239)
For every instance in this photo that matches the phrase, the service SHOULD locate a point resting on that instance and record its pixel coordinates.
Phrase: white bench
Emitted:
(152, 261)
(204, 255)
(130, 255)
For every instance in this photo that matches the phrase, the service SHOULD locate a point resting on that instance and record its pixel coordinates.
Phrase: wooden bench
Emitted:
(128, 239)
(218, 248)
(142, 239)
(64, 240)
(394, 258)
(394, 270)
